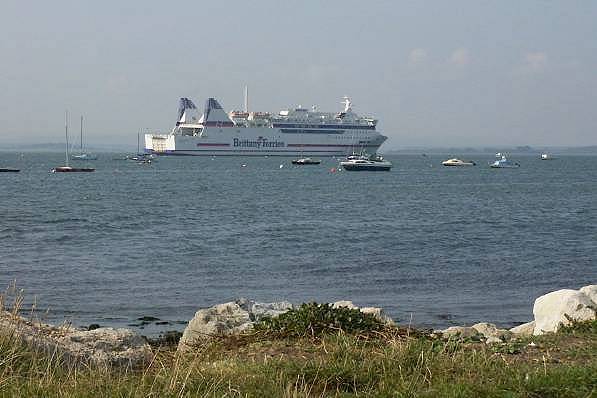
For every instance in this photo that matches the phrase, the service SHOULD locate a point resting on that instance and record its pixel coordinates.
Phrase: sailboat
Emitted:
(83, 155)
(66, 168)
(140, 157)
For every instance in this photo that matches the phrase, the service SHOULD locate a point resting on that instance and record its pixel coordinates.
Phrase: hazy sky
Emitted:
(435, 73)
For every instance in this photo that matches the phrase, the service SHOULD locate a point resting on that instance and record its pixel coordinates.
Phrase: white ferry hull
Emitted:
(261, 142)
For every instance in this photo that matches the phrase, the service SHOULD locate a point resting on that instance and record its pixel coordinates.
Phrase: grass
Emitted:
(388, 364)
(320, 352)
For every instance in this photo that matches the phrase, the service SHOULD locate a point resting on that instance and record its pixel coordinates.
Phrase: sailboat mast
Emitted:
(66, 133)
(81, 133)
(247, 99)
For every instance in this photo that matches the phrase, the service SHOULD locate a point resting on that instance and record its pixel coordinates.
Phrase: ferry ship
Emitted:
(291, 132)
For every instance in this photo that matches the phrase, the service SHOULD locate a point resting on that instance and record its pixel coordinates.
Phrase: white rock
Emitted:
(557, 308)
(106, 347)
(222, 319)
(377, 313)
(490, 330)
(344, 303)
(526, 329)
(259, 311)
(591, 292)
(461, 331)
(493, 340)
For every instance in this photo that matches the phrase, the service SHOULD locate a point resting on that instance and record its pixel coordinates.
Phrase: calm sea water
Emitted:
(434, 246)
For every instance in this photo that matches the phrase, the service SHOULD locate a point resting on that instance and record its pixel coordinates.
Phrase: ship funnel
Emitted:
(187, 111)
(214, 115)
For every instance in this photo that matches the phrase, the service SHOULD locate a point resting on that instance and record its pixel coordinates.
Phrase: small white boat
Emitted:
(458, 162)
(504, 163)
(84, 156)
(366, 163)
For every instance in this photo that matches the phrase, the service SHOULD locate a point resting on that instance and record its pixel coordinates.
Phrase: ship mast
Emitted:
(66, 133)
(81, 133)
(246, 99)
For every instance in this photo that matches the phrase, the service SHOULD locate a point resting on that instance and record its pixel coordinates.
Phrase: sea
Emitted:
(145, 246)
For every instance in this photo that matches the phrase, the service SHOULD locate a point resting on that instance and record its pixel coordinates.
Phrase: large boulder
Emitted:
(225, 319)
(222, 319)
(108, 346)
(591, 292)
(105, 347)
(561, 308)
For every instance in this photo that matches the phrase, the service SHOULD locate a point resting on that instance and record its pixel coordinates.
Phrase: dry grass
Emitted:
(393, 362)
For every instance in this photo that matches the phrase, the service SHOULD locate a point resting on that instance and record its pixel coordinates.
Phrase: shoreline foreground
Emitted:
(245, 348)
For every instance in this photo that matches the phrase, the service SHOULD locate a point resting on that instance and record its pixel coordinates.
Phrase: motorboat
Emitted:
(366, 163)
(458, 162)
(504, 163)
(305, 161)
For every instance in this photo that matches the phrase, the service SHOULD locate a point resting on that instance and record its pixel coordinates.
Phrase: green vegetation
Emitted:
(316, 350)
(281, 359)
(312, 319)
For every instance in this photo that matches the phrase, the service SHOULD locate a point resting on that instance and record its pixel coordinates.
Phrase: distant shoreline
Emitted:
(581, 150)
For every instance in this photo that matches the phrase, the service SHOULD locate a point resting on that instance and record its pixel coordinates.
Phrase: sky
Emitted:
(435, 73)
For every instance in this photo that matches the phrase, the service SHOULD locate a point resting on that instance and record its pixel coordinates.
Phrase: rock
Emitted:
(459, 331)
(106, 347)
(239, 316)
(344, 303)
(526, 329)
(228, 319)
(493, 340)
(378, 313)
(219, 320)
(559, 308)
(259, 311)
(591, 292)
(375, 311)
(490, 330)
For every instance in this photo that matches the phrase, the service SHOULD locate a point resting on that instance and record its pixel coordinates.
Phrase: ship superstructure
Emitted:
(290, 132)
